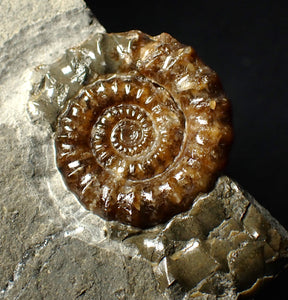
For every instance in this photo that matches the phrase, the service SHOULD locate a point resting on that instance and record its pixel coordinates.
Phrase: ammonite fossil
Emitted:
(143, 125)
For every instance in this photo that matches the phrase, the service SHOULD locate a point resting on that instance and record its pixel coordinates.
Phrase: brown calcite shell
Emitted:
(142, 132)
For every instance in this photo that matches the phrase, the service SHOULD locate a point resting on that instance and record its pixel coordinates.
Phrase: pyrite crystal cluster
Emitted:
(142, 130)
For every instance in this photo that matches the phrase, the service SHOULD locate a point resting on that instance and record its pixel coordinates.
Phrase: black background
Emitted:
(245, 42)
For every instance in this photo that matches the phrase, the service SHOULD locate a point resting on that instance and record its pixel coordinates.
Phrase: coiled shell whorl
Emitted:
(148, 131)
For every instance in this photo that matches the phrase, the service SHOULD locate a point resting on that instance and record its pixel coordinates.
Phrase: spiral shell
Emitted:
(147, 134)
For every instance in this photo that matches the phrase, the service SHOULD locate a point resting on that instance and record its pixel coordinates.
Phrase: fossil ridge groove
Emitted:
(142, 125)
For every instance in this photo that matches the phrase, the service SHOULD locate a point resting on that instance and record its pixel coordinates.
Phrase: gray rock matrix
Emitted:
(52, 248)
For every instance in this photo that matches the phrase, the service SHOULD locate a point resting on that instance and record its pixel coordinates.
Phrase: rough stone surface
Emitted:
(51, 248)
(225, 245)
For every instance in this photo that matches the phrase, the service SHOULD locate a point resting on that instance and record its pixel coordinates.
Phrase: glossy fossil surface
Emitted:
(149, 130)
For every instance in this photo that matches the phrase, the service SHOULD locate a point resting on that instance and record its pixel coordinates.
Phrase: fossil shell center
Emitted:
(140, 137)
(130, 134)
